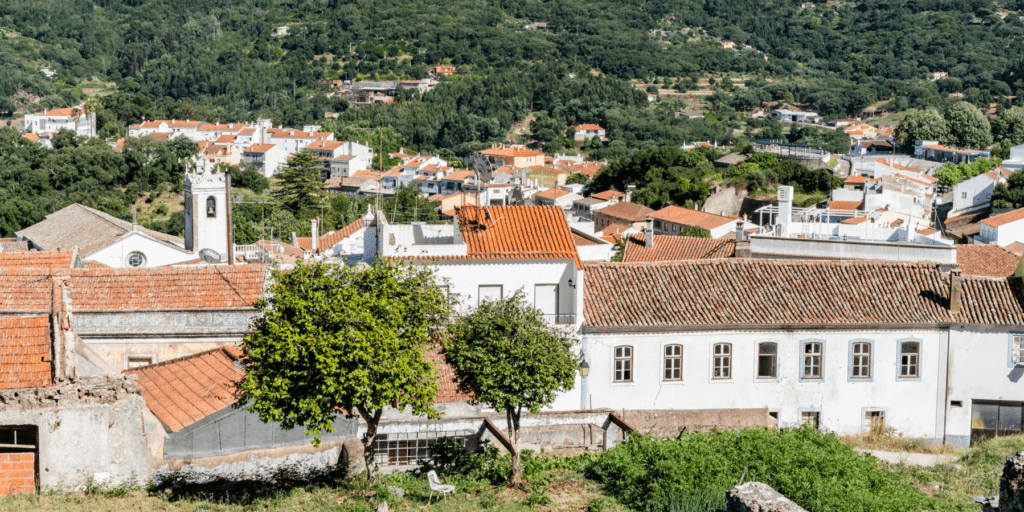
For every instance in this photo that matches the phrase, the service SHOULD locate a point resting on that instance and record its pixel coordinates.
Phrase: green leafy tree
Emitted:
(948, 175)
(1009, 125)
(245, 176)
(333, 338)
(920, 125)
(968, 126)
(578, 178)
(511, 359)
(696, 231)
(299, 188)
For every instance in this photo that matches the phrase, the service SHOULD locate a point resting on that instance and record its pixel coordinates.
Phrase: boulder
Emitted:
(1011, 485)
(758, 497)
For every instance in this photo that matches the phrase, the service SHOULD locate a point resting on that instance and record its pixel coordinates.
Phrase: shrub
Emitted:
(815, 470)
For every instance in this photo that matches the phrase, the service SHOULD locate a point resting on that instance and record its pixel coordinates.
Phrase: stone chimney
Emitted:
(629, 192)
(295, 239)
(740, 235)
(649, 232)
(956, 283)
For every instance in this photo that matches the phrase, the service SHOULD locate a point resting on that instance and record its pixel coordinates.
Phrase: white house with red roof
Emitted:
(975, 193)
(266, 158)
(490, 252)
(589, 131)
(57, 119)
(673, 220)
(1003, 229)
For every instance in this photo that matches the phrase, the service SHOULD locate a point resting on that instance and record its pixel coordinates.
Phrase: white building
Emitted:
(1016, 160)
(345, 166)
(796, 116)
(266, 158)
(105, 239)
(975, 193)
(673, 220)
(206, 215)
(1002, 230)
(839, 344)
(491, 252)
(588, 131)
(55, 120)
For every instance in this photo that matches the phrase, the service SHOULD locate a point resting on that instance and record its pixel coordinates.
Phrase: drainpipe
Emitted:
(583, 378)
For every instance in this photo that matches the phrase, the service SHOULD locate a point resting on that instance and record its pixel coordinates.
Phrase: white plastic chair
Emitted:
(437, 486)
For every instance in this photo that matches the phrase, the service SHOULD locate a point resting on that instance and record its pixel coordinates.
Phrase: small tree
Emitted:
(696, 231)
(511, 359)
(333, 338)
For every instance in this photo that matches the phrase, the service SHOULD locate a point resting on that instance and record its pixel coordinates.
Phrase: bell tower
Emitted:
(206, 211)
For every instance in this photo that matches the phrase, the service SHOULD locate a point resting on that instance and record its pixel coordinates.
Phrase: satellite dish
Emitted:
(209, 255)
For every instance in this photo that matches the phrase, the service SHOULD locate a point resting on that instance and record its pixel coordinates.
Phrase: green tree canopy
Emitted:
(332, 338)
(511, 359)
(299, 188)
(1009, 125)
(925, 124)
(968, 126)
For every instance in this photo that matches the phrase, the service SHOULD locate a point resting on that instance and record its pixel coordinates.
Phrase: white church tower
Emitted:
(206, 211)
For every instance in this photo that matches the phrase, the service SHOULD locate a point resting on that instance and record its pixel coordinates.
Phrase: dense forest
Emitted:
(551, 63)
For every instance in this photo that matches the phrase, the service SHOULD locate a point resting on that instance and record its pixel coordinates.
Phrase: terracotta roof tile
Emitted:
(25, 290)
(516, 232)
(41, 260)
(763, 293)
(447, 386)
(25, 352)
(690, 217)
(628, 212)
(677, 248)
(183, 391)
(608, 195)
(553, 193)
(187, 287)
(88, 229)
(845, 205)
(986, 260)
(580, 240)
(1005, 218)
(1016, 248)
(992, 301)
(510, 151)
(331, 239)
(589, 127)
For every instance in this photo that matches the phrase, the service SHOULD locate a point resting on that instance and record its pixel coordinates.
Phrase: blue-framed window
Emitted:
(862, 360)
(908, 359)
(812, 360)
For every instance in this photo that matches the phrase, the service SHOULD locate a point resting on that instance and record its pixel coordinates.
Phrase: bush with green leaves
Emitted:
(815, 470)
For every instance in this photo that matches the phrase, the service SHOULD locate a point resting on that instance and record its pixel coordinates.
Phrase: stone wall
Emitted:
(671, 423)
(758, 497)
(88, 428)
(1011, 485)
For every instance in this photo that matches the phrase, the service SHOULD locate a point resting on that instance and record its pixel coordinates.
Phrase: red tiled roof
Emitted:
(690, 217)
(552, 193)
(629, 212)
(459, 176)
(677, 248)
(516, 232)
(580, 240)
(845, 205)
(25, 352)
(510, 151)
(188, 287)
(589, 127)
(34, 137)
(259, 148)
(329, 240)
(1002, 219)
(447, 386)
(763, 293)
(608, 195)
(183, 391)
(986, 260)
(325, 145)
(1016, 248)
(25, 290)
(39, 260)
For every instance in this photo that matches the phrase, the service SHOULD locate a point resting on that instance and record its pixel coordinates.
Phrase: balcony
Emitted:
(567, 319)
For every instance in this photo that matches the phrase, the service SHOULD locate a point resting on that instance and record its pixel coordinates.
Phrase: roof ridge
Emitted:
(775, 262)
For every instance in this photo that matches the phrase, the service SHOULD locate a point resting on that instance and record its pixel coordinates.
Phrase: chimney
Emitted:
(629, 192)
(314, 235)
(649, 232)
(785, 196)
(295, 239)
(955, 285)
(739, 231)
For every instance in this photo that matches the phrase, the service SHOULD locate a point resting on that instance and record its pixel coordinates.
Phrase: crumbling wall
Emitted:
(758, 497)
(670, 423)
(89, 428)
(1011, 485)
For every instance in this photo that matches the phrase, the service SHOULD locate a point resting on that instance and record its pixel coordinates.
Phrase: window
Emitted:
(990, 418)
(489, 292)
(860, 367)
(624, 364)
(211, 207)
(673, 362)
(767, 360)
(1017, 350)
(909, 355)
(812, 360)
(138, 360)
(874, 422)
(812, 418)
(723, 361)
(545, 298)
(409, 448)
(963, 195)
(136, 259)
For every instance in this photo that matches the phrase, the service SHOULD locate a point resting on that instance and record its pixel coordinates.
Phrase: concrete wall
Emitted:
(670, 423)
(102, 441)
(157, 254)
(979, 369)
(1009, 233)
(972, 194)
(761, 246)
(115, 352)
(913, 407)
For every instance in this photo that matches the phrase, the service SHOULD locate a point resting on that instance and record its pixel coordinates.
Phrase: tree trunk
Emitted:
(371, 432)
(513, 436)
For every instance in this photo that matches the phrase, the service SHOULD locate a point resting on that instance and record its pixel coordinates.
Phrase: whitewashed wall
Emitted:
(979, 369)
(157, 254)
(911, 406)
